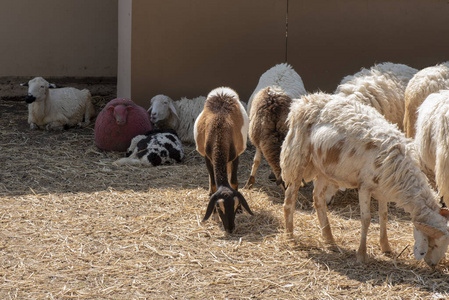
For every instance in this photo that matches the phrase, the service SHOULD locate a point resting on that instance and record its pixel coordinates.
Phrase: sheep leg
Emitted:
(233, 168)
(256, 163)
(365, 217)
(321, 186)
(210, 169)
(331, 190)
(289, 206)
(383, 217)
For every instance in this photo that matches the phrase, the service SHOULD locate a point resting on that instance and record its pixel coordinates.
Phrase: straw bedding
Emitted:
(74, 226)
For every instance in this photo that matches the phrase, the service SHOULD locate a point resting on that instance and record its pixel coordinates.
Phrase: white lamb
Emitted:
(383, 91)
(178, 115)
(425, 82)
(340, 142)
(432, 140)
(54, 108)
(282, 76)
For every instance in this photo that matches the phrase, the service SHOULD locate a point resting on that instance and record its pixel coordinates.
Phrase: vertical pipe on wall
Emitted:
(124, 48)
(286, 34)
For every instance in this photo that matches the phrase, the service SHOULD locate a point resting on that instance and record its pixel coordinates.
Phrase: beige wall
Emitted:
(58, 38)
(186, 48)
(331, 39)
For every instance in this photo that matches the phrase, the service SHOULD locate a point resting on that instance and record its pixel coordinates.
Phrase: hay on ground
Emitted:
(74, 226)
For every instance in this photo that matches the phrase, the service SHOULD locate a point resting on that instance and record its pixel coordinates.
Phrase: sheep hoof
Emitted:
(362, 257)
(249, 184)
(272, 177)
(387, 251)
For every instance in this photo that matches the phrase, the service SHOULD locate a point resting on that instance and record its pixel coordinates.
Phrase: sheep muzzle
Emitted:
(30, 99)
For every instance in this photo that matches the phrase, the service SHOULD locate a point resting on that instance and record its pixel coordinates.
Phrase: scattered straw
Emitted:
(74, 226)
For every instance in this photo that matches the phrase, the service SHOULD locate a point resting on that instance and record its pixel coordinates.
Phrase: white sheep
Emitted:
(221, 132)
(427, 81)
(432, 140)
(267, 129)
(54, 108)
(382, 91)
(402, 72)
(156, 147)
(340, 142)
(282, 76)
(178, 115)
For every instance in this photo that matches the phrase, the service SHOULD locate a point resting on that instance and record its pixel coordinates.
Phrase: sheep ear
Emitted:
(150, 108)
(53, 86)
(444, 212)
(210, 208)
(173, 109)
(24, 84)
(245, 204)
(429, 230)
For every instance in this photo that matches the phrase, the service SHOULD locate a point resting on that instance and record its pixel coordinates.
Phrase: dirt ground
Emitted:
(74, 226)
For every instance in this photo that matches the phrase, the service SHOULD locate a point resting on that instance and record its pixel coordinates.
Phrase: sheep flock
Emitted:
(354, 140)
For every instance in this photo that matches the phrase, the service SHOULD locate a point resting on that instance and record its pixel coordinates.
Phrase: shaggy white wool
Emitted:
(282, 76)
(427, 81)
(341, 142)
(432, 140)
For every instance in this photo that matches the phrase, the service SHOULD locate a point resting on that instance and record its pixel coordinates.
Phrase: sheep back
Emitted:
(432, 140)
(188, 110)
(268, 127)
(402, 72)
(425, 82)
(383, 92)
(118, 122)
(283, 76)
(215, 124)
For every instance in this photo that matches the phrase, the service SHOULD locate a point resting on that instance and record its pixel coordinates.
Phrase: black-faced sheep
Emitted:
(268, 128)
(156, 147)
(282, 76)
(178, 115)
(425, 82)
(221, 132)
(432, 140)
(340, 142)
(54, 108)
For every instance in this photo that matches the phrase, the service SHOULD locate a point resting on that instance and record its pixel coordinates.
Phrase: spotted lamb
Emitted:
(155, 148)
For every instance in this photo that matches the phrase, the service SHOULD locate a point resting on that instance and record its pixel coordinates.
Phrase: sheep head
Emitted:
(430, 243)
(37, 89)
(161, 108)
(120, 113)
(226, 201)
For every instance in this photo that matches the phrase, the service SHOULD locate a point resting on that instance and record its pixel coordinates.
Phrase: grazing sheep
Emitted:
(432, 140)
(340, 142)
(154, 148)
(178, 115)
(425, 82)
(55, 108)
(282, 76)
(402, 72)
(382, 91)
(267, 129)
(118, 123)
(221, 132)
